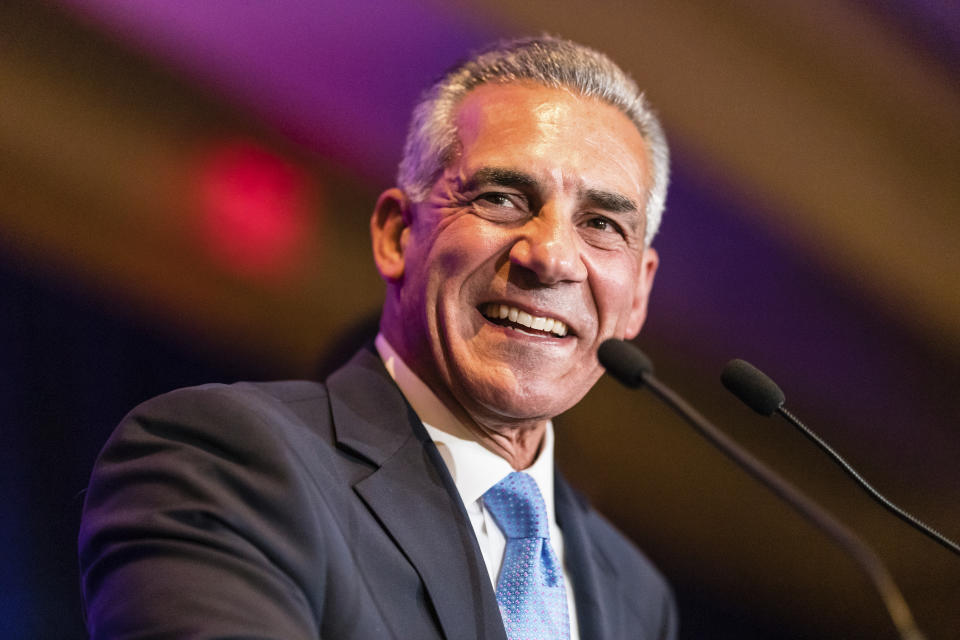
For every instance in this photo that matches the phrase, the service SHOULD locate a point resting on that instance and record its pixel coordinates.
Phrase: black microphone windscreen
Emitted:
(624, 361)
(752, 386)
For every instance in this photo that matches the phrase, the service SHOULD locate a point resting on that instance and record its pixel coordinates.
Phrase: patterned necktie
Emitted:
(530, 591)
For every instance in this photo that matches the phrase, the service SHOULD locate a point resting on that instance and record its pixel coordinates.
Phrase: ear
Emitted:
(389, 229)
(638, 313)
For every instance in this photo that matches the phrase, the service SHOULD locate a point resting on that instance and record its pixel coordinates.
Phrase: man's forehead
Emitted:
(525, 123)
(495, 100)
(500, 101)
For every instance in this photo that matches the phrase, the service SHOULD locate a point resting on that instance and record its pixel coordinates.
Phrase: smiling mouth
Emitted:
(507, 316)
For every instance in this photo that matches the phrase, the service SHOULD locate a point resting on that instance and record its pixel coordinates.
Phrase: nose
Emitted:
(550, 248)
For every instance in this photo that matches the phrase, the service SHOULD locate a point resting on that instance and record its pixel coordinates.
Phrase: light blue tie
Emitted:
(530, 591)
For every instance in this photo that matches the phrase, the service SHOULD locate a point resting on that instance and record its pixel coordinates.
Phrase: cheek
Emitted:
(454, 275)
(614, 290)
(466, 247)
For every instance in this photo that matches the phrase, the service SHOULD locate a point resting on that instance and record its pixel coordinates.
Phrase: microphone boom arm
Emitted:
(632, 368)
(865, 557)
(866, 486)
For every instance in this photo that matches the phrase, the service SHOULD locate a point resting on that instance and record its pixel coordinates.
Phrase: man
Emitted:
(387, 502)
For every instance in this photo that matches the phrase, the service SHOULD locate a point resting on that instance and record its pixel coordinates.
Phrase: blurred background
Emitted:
(184, 195)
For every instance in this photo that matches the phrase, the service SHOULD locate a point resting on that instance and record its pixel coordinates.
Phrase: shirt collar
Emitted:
(474, 468)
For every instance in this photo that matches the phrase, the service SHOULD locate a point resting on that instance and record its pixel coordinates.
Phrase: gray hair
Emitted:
(432, 142)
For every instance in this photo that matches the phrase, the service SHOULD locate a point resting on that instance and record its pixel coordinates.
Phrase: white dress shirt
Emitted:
(475, 469)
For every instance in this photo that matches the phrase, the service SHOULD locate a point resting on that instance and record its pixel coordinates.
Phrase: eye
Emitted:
(501, 207)
(601, 223)
(497, 199)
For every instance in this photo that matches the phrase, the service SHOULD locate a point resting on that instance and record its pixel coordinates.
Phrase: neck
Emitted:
(517, 445)
(518, 441)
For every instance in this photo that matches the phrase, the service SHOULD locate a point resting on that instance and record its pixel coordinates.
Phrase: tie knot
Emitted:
(518, 507)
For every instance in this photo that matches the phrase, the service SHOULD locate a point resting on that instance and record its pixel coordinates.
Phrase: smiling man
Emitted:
(413, 495)
(539, 219)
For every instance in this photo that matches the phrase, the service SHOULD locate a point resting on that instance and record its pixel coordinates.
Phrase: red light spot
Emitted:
(255, 211)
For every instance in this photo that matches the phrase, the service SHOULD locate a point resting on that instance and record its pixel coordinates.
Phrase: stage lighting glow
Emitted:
(255, 210)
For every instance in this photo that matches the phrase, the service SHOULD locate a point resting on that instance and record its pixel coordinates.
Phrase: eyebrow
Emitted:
(500, 178)
(610, 201)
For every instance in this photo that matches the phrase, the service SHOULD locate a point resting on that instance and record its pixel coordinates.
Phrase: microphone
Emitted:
(631, 367)
(761, 394)
(756, 390)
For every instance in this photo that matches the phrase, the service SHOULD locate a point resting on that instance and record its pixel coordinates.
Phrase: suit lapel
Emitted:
(413, 496)
(594, 578)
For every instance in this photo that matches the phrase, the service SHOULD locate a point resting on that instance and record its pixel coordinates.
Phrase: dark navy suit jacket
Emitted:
(301, 510)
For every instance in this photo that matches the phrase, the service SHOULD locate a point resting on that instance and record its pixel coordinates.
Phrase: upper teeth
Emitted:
(540, 323)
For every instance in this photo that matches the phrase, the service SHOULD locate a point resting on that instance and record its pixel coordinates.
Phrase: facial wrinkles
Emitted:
(573, 120)
(568, 146)
(566, 302)
(612, 149)
(558, 126)
(559, 123)
(506, 285)
(549, 122)
(444, 204)
(517, 285)
(633, 162)
(549, 115)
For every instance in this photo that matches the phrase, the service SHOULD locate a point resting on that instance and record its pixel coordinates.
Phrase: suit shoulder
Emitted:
(250, 394)
(216, 498)
(216, 443)
(254, 399)
(246, 418)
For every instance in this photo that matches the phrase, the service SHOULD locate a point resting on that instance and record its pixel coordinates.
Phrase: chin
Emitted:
(527, 404)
